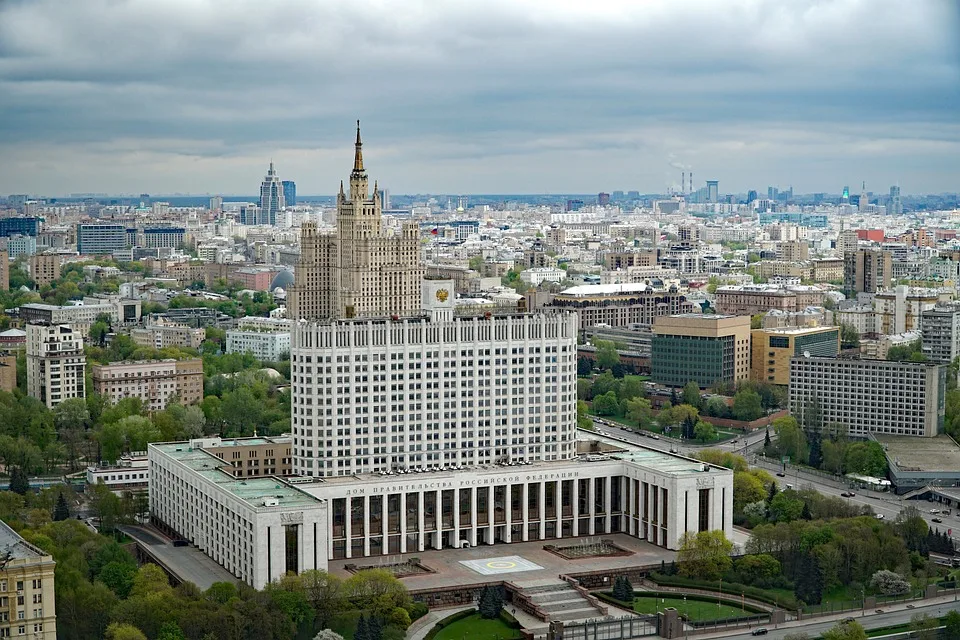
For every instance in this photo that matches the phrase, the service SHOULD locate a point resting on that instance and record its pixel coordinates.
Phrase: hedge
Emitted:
(508, 619)
(446, 622)
(756, 593)
(608, 597)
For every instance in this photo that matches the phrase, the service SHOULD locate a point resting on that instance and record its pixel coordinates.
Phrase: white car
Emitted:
(879, 516)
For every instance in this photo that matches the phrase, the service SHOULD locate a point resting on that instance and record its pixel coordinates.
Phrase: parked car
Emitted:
(934, 511)
(781, 474)
(762, 631)
(847, 494)
(937, 520)
(879, 516)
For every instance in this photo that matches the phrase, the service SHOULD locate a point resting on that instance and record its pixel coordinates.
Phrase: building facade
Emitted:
(621, 305)
(940, 327)
(271, 196)
(867, 270)
(772, 349)
(868, 396)
(302, 524)
(21, 246)
(55, 363)
(381, 395)
(704, 348)
(156, 382)
(289, 192)
(758, 298)
(101, 238)
(27, 589)
(361, 271)
(161, 334)
(161, 237)
(4, 271)
(45, 268)
(8, 372)
(269, 344)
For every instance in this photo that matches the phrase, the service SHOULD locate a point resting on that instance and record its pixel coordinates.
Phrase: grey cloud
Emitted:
(509, 82)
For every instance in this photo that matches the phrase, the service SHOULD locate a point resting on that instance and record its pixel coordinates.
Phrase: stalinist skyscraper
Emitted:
(361, 271)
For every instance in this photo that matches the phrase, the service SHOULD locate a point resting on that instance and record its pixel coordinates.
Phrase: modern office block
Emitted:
(705, 348)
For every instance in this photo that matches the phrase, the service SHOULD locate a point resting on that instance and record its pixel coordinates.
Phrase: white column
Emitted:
(525, 511)
(543, 510)
(438, 519)
(608, 508)
(575, 500)
(347, 527)
(384, 524)
(509, 509)
(403, 523)
(490, 513)
(474, 514)
(456, 518)
(366, 525)
(592, 506)
(329, 531)
(628, 512)
(421, 520)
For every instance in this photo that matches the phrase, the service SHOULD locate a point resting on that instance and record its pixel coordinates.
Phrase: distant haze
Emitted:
(493, 96)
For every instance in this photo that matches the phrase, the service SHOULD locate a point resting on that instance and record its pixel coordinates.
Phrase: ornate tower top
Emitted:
(358, 155)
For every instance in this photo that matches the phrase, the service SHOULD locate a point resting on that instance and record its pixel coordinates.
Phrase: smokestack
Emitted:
(683, 181)
(691, 182)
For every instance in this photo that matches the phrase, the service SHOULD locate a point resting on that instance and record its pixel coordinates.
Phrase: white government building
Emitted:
(416, 429)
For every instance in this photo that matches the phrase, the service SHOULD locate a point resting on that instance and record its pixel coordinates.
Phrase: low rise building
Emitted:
(869, 396)
(55, 363)
(757, 298)
(620, 305)
(266, 339)
(772, 349)
(81, 316)
(704, 348)
(156, 382)
(130, 472)
(260, 528)
(538, 275)
(161, 334)
(28, 604)
(8, 372)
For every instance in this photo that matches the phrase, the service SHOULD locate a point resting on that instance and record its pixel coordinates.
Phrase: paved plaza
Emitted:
(459, 566)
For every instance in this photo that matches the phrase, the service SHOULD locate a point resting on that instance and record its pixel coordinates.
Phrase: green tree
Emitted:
(866, 458)
(849, 337)
(747, 488)
(791, 441)
(747, 406)
(605, 383)
(951, 622)
(704, 431)
(849, 630)
(691, 395)
(808, 587)
(923, 626)
(639, 411)
(19, 483)
(704, 555)
(62, 510)
(761, 566)
(786, 507)
(118, 577)
(583, 417)
(756, 321)
(607, 356)
(326, 594)
(631, 387)
(606, 405)
(122, 631)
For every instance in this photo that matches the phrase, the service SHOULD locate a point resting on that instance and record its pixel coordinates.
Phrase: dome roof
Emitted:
(284, 280)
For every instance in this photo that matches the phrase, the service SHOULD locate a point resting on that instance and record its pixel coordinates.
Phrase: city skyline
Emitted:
(492, 98)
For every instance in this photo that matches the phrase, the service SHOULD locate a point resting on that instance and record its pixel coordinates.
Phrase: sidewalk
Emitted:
(421, 627)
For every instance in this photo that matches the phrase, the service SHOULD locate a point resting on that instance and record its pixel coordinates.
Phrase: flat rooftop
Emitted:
(17, 547)
(910, 453)
(250, 490)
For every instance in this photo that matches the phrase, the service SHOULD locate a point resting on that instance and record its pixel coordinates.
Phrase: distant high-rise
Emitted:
(216, 204)
(603, 199)
(895, 204)
(361, 271)
(864, 199)
(772, 193)
(271, 196)
(713, 191)
(846, 193)
(751, 195)
(289, 192)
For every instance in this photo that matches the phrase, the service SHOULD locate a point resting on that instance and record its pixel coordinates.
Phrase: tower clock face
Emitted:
(442, 295)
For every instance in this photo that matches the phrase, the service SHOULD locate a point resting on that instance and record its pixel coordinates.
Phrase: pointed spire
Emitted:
(341, 187)
(358, 155)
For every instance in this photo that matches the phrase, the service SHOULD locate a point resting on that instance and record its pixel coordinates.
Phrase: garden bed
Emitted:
(470, 625)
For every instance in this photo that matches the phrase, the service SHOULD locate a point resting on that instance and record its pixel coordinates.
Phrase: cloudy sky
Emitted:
(492, 96)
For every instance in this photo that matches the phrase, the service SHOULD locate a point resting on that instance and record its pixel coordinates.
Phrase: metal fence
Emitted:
(623, 628)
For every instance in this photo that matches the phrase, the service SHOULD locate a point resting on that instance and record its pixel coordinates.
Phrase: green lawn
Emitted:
(695, 610)
(476, 627)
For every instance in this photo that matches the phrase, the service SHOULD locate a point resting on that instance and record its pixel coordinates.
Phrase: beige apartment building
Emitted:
(156, 382)
(161, 334)
(826, 270)
(704, 348)
(27, 597)
(45, 268)
(772, 349)
(793, 251)
(757, 298)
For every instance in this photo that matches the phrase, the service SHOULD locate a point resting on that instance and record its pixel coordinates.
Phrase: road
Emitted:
(188, 563)
(815, 626)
